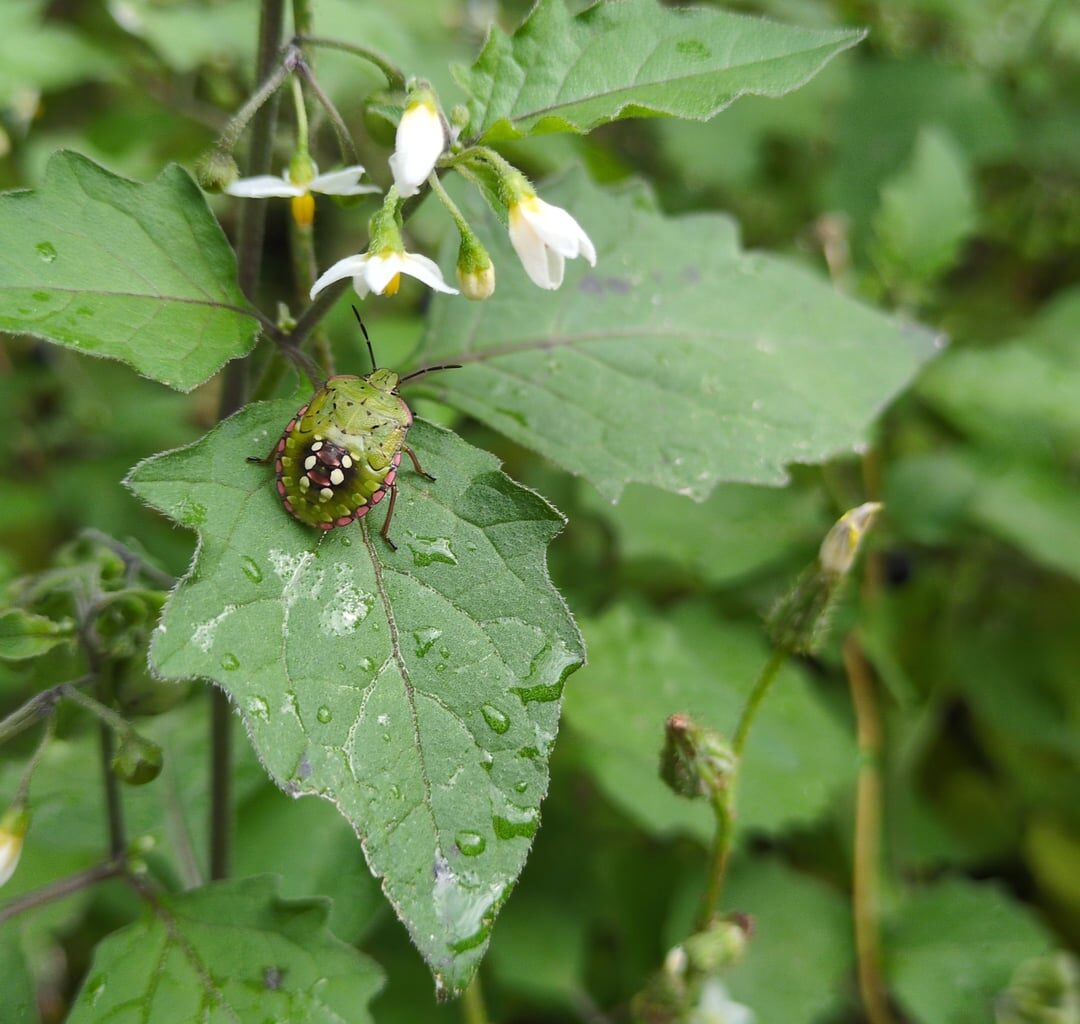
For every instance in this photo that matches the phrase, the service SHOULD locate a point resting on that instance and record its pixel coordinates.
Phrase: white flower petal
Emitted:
(426, 271)
(351, 266)
(418, 144)
(558, 229)
(556, 268)
(382, 269)
(345, 182)
(263, 186)
(530, 249)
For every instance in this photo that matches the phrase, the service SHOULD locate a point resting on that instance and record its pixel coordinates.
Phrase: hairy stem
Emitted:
(866, 882)
(62, 887)
(395, 77)
(724, 805)
(753, 702)
(234, 395)
(36, 708)
(473, 1010)
(341, 129)
(133, 561)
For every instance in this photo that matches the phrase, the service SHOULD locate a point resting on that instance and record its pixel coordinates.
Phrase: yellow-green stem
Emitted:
(473, 1010)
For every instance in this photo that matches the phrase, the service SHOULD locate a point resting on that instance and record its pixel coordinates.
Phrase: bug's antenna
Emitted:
(371, 351)
(429, 369)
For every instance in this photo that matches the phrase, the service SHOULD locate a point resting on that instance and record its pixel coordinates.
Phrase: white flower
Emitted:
(477, 284)
(841, 543)
(13, 827)
(420, 141)
(544, 237)
(381, 272)
(715, 1006)
(345, 182)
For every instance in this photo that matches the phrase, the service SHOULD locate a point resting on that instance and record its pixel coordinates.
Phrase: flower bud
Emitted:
(215, 170)
(720, 945)
(841, 543)
(1045, 990)
(695, 761)
(137, 760)
(419, 142)
(475, 271)
(13, 826)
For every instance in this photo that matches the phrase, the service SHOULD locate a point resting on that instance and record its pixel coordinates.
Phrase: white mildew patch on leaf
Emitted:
(229, 953)
(109, 267)
(679, 361)
(419, 690)
(634, 58)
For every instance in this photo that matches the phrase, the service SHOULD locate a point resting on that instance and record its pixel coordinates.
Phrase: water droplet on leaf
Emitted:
(497, 720)
(470, 843)
(427, 550)
(425, 639)
(47, 251)
(251, 569)
(230, 662)
(324, 714)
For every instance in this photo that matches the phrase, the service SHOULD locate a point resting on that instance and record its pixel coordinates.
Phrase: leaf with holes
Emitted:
(230, 952)
(110, 267)
(565, 72)
(680, 361)
(419, 690)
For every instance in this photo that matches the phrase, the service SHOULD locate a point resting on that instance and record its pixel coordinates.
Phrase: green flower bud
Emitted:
(215, 170)
(137, 760)
(695, 761)
(720, 945)
(475, 271)
(1042, 991)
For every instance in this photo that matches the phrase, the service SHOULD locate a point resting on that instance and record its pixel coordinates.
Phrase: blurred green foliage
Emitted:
(933, 170)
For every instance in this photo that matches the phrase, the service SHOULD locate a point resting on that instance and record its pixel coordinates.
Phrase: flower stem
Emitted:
(724, 805)
(451, 207)
(395, 77)
(867, 844)
(62, 887)
(35, 760)
(753, 702)
(341, 129)
(473, 1010)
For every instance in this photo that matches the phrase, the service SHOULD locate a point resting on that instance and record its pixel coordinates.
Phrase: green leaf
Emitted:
(644, 668)
(737, 531)
(1022, 394)
(16, 982)
(110, 267)
(952, 948)
(41, 54)
(25, 635)
(680, 361)
(635, 58)
(417, 690)
(231, 952)
(927, 211)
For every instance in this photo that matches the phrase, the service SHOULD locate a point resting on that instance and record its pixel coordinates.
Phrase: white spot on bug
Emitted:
(326, 494)
(204, 634)
(309, 462)
(337, 477)
(348, 606)
(346, 461)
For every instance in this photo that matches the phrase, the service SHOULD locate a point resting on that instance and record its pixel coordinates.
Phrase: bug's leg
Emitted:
(269, 457)
(416, 462)
(385, 531)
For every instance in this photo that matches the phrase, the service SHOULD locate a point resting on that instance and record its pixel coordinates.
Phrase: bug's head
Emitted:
(384, 380)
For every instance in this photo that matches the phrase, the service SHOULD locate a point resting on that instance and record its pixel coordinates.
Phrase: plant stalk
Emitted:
(473, 1010)
(867, 842)
(395, 77)
(62, 887)
(753, 702)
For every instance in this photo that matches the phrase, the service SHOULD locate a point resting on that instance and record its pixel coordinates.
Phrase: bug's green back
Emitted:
(341, 448)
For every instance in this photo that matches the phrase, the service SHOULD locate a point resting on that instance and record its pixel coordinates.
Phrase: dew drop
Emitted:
(521, 787)
(386, 737)
(441, 667)
(428, 550)
(346, 542)
(394, 790)
(230, 662)
(518, 823)
(497, 720)
(444, 652)
(425, 639)
(342, 667)
(259, 708)
(251, 569)
(47, 251)
(470, 843)
(324, 714)
(366, 663)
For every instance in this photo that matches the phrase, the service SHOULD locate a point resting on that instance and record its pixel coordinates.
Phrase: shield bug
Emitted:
(339, 455)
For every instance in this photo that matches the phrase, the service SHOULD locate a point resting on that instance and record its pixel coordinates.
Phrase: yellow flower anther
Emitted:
(392, 285)
(303, 210)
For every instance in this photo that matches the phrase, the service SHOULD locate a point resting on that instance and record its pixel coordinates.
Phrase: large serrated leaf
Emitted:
(110, 267)
(634, 58)
(680, 361)
(419, 690)
(230, 953)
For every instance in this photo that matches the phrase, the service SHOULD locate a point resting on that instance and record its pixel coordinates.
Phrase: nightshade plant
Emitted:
(413, 676)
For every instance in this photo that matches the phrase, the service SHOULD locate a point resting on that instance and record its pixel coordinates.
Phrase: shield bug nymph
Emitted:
(339, 455)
